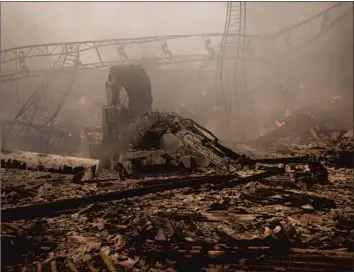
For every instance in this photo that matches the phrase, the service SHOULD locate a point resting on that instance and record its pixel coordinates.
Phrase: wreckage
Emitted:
(161, 192)
(138, 141)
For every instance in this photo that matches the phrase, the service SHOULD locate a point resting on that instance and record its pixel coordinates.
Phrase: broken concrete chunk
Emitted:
(202, 161)
(186, 161)
(153, 159)
(127, 165)
(171, 143)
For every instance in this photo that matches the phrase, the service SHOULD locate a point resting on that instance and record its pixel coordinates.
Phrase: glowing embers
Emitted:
(280, 124)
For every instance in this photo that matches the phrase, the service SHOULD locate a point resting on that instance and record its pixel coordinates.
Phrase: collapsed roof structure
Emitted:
(163, 193)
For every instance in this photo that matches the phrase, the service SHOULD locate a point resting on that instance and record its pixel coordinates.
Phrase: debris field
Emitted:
(291, 210)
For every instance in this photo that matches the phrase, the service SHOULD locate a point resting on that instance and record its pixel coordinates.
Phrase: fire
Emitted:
(279, 124)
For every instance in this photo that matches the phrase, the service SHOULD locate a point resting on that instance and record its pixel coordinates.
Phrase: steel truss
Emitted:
(43, 107)
(65, 59)
(62, 60)
(21, 62)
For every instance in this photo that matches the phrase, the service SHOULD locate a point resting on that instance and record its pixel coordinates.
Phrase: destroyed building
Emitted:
(157, 190)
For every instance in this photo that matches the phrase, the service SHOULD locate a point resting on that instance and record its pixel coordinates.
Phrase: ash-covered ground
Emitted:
(210, 223)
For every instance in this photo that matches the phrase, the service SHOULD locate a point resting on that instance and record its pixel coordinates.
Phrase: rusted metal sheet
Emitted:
(47, 162)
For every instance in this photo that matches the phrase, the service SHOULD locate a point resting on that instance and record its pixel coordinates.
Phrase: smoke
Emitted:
(323, 67)
(24, 23)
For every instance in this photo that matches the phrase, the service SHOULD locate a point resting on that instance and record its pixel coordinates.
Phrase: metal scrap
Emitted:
(176, 143)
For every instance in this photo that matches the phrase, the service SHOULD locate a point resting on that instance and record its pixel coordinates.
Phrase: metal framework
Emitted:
(43, 107)
(61, 61)
(231, 80)
(230, 69)
(58, 63)
(24, 61)
(34, 60)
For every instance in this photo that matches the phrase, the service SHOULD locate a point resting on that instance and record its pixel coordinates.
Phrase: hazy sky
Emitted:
(26, 23)
(44, 22)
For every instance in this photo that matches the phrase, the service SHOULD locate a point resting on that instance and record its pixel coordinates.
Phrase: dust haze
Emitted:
(321, 70)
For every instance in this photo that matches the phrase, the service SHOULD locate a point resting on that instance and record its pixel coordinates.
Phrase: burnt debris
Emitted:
(177, 199)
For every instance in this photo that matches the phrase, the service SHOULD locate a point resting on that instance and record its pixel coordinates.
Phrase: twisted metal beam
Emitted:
(25, 61)
(62, 61)
(314, 17)
(236, 43)
(44, 105)
(22, 62)
(230, 71)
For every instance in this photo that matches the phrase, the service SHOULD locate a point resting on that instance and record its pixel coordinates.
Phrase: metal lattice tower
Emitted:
(41, 109)
(231, 79)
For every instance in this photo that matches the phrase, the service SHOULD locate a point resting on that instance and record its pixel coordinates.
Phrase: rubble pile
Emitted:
(214, 210)
(166, 142)
(335, 149)
(315, 121)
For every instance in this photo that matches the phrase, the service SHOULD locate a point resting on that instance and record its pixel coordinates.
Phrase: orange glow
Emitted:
(279, 124)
